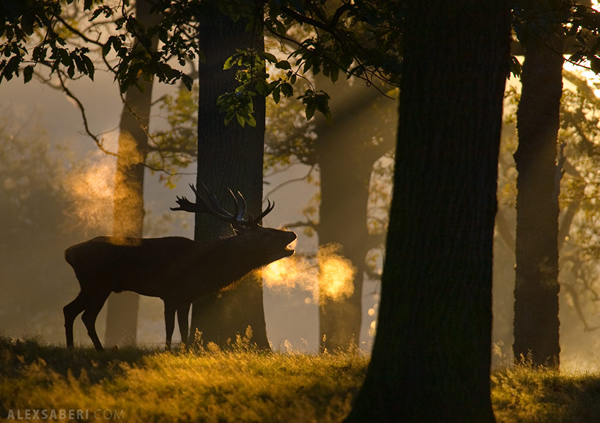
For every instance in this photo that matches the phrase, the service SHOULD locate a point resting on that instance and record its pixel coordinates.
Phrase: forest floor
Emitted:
(46, 382)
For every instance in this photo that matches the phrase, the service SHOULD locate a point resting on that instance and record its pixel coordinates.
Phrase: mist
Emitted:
(57, 189)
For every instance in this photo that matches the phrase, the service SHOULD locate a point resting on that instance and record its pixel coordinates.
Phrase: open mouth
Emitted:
(291, 247)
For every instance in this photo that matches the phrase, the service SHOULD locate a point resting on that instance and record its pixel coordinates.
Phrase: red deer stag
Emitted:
(175, 269)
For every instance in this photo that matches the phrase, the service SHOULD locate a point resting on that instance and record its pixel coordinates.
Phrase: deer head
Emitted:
(274, 242)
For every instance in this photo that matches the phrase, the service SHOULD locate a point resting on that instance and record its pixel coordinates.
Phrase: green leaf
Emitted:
(287, 89)
(263, 88)
(90, 66)
(187, 81)
(311, 106)
(270, 57)
(334, 73)
(283, 64)
(106, 48)
(28, 73)
(276, 94)
(240, 120)
(251, 121)
(96, 13)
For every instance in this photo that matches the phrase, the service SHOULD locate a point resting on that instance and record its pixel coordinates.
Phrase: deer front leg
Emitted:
(169, 322)
(183, 311)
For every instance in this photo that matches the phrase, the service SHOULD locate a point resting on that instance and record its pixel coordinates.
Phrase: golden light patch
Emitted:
(336, 279)
(91, 190)
(332, 278)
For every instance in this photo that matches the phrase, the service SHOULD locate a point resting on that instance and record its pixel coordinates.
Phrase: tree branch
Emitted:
(290, 181)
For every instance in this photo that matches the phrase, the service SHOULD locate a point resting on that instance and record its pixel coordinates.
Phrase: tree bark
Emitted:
(536, 323)
(128, 211)
(228, 157)
(432, 352)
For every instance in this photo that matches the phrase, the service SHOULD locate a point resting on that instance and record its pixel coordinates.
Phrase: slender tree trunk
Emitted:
(128, 212)
(343, 221)
(432, 352)
(346, 154)
(228, 157)
(536, 324)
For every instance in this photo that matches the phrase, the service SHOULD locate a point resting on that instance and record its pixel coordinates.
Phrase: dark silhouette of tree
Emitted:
(431, 357)
(536, 324)
(228, 157)
(346, 152)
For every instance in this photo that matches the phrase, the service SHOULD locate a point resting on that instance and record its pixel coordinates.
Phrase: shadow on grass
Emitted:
(16, 354)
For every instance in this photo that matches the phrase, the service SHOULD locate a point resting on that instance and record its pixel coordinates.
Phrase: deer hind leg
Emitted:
(71, 311)
(90, 314)
(183, 311)
(169, 322)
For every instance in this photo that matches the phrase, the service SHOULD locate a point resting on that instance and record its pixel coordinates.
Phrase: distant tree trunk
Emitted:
(128, 212)
(346, 155)
(432, 352)
(536, 324)
(228, 157)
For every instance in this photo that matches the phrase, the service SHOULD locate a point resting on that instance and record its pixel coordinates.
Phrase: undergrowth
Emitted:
(150, 385)
(145, 385)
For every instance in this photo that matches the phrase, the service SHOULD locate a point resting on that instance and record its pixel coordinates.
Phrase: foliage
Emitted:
(357, 38)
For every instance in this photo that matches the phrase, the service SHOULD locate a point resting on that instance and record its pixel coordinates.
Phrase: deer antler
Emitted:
(209, 204)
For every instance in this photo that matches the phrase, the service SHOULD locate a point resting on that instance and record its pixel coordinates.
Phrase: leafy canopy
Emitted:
(358, 38)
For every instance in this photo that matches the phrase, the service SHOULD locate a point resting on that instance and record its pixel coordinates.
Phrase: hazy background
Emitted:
(44, 157)
(39, 113)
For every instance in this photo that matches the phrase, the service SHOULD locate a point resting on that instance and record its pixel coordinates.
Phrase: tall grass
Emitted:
(151, 385)
(148, 385)
(524, 394)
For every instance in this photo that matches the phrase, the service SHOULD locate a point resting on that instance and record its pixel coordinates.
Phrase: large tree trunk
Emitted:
(346, 154)
(432, 352)
(128, 212)
(536, 324)
(228, 157)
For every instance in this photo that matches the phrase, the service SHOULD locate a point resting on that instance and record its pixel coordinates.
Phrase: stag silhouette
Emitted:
(175, 269)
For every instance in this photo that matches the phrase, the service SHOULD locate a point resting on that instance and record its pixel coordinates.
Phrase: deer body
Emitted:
(175, 269)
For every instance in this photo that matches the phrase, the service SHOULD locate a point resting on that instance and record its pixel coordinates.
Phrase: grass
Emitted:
(151, 385)
(148, 385)
(522, 394)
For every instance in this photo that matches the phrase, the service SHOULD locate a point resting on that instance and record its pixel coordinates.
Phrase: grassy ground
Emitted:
(151, 385)
(137, 385)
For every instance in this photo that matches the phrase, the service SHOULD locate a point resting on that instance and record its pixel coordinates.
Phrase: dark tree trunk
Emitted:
(128, 212)
(432, 352)
(228, 157)
(346, 155)
(536, 324)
